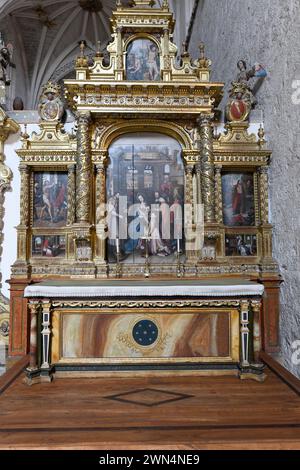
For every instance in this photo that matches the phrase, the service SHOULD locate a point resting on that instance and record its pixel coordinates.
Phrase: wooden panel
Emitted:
(270, 317)
(115, 336)
(19, 319)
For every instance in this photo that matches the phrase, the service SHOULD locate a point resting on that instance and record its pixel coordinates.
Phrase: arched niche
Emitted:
(143, 59)
(145, 198)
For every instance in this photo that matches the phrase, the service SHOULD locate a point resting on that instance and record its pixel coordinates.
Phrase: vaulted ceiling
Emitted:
(45, 35)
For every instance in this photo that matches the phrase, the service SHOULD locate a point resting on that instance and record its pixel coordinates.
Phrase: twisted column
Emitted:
(218, 194)
(264, 196)
(24, 196)
(71, 194)
(207, 167)
(83, 170)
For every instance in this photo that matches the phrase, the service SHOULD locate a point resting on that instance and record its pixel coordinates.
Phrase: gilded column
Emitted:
(24, 211)
(207, 166)
(71, 194)
(218, 194)
(83, 170)
(100, 212)
(264, 195)
(24, 196)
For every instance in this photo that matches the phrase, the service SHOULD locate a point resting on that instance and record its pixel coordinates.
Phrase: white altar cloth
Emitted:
(146, 288)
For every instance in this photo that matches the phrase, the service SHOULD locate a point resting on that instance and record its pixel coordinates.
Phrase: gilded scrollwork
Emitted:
(207, 162)
(146, 304)
(264, 196)
(83, 169)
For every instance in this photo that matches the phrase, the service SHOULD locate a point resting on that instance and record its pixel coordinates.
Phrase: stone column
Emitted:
(83, 170)
(71, 194)
(33, 364)
(257, 341)
(245, 333)
(198, 179)
(46, 332)
(207, 166)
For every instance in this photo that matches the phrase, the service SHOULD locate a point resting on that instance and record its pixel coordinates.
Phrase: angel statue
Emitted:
(6, 53)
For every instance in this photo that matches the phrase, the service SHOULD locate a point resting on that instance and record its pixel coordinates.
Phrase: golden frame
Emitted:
(57, 320)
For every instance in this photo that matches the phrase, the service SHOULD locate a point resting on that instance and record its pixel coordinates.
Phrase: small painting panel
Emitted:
(50, 246)
(240, 245)
(50, 199)
(143, 61)
(238, 199)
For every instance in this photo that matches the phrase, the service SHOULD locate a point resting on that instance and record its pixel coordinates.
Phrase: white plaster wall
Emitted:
(267, 31)
(12, 208)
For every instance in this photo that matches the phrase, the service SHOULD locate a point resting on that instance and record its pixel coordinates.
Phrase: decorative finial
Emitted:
(99, 53)
(203, 62)
(82, 60)
(25, 135)
(118, 3)
(165, 5)
(185, 52)
(261, 135)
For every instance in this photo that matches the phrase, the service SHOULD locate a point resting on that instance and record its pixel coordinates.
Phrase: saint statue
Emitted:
(6, 53)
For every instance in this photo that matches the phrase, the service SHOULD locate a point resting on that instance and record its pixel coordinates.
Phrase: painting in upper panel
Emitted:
(50, 199)
(143, 61)
(238, 199)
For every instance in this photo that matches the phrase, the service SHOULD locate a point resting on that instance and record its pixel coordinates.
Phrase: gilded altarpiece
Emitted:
(145, 131)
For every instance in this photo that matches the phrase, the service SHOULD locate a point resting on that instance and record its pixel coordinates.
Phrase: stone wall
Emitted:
(267, 31)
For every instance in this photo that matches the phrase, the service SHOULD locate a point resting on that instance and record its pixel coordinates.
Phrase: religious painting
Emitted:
(50, 246)
(238, 199)
(143, 61)
(240, 245)
(50, 199)
(145, 198)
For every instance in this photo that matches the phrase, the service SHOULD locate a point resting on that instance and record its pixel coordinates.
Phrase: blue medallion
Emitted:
(145, 332)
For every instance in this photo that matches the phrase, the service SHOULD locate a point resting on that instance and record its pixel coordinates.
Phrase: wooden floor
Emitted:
(166, 413)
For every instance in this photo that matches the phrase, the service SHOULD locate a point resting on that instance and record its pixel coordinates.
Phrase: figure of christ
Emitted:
(59, 200)
(46, 199)
(152, 63)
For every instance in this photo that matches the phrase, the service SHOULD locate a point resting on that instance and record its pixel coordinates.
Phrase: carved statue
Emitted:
(242, 94)
(50, 106)
(6, 53)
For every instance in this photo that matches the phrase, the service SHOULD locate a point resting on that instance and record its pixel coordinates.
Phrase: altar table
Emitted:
(145, 326)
